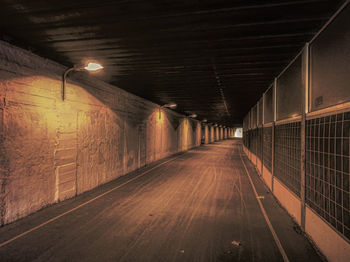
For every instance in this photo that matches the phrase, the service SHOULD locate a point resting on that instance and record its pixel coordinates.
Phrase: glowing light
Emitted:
(204, 120)
(193, 116)
(93, 67)
(170, 105)
(90, 67)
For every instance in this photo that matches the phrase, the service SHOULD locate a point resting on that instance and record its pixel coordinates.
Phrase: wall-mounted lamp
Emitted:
(89, 67)
(193, 115)
(170, 105)
(204, 120)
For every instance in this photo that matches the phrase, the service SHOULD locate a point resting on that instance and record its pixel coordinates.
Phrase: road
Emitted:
(196, 206)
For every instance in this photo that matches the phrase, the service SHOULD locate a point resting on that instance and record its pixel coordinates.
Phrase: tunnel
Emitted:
(175, 130)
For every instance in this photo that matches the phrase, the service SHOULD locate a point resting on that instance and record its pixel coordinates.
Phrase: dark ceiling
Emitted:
(212, 58)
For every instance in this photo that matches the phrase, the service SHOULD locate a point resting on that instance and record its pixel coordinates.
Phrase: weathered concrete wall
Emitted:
(51, 149)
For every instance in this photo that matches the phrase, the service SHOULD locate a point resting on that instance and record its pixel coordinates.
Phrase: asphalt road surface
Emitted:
(196, 206)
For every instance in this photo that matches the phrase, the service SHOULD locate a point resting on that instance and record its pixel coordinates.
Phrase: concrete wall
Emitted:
(51, 149)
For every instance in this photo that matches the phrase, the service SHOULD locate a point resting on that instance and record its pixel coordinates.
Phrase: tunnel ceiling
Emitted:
(212, 58)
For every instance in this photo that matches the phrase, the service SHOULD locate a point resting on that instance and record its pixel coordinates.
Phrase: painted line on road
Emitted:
(83, 204)
(275, 237)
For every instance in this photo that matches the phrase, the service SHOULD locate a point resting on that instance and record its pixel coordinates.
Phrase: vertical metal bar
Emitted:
(302, 133)
(263, 114)
(262, 134)
(256, 134)
(306, 62)
(272, 155)
(139, 147)
(257, 113)
(275, 99)
(273, 132)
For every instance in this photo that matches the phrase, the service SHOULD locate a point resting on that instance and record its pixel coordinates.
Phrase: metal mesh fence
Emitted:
(260, 110)
(247, 138)
(259, 148)
(327, 169)
(253, 140)
(287, 155)
(244, 138)
(267, 147)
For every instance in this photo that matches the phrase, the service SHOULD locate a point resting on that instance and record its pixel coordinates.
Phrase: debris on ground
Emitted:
(236, 243)
(297, 229)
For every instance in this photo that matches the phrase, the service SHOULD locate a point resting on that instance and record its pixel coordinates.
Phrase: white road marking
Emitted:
(275, 237)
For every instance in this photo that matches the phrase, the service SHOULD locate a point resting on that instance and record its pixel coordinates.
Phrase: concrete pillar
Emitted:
(221, 133)
(225, 133)
(212, 134)
(206, 134)
(198, 134)
(217, 134)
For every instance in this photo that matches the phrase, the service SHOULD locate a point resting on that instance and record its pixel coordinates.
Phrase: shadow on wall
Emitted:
(51, 149)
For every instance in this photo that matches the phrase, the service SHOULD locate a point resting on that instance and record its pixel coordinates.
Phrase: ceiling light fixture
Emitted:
(93, 67)
(170, 105)
(89, 67)
(193, 115)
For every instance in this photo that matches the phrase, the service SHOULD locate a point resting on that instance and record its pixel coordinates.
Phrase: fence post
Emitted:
(305, 106)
